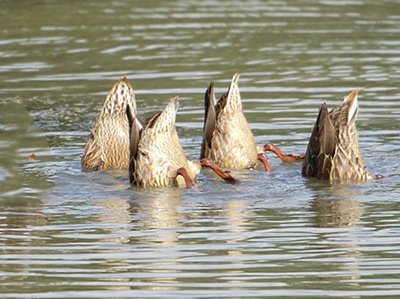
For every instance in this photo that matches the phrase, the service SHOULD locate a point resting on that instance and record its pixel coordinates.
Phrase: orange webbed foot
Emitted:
(218, 170)
(281, 155)
(264, 160)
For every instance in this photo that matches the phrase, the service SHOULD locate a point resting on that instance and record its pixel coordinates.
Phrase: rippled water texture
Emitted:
(64, 233)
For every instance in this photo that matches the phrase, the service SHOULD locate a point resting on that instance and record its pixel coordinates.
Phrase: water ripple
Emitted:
(65, 233)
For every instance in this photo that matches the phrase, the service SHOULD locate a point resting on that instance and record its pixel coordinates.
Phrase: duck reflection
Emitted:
(236, 215)
(157, 210)
(148, 220)
(336, 208)
(158, 214)
(116, 212)
(168, 232)
(154, 212)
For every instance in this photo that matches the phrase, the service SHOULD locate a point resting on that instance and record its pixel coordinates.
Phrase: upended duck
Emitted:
(227, 137)
(156, 154)
(108, 145)
(333, 151)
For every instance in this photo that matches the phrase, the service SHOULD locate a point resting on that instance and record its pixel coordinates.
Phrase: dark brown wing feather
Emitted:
(327, 148)
(313, 148)
(151, 121)
(133, 143)
(221, 104)
(321, 147)
(209, 120)
(327, 135)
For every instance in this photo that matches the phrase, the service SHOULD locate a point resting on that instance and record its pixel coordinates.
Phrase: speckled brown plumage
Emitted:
(333, 152)
(108, 145)
(227, 137)
(157, 153)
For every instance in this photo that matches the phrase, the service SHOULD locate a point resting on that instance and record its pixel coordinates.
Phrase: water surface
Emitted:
(65, 233)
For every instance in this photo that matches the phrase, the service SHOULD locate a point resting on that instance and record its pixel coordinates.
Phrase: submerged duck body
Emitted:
(108, 145)
(333, 151)
(157, 158)
(157, 155)
(227, 137)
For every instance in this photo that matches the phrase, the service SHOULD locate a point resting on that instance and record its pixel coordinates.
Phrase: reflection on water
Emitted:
(64, 233)
(159, 209)
(159, 214)
(115, 211)
(335, 208)
(337, 212)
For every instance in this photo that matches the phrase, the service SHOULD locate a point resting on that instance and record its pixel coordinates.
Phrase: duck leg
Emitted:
(222, 174)
(183, 172)
(281, 155)
(264, 160)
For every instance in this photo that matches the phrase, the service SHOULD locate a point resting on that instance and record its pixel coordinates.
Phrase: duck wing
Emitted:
(321, 147)
(209, 120)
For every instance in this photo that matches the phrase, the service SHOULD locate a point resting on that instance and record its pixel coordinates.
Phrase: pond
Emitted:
(66, 233)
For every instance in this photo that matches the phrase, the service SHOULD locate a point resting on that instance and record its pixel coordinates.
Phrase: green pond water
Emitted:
(69, 234)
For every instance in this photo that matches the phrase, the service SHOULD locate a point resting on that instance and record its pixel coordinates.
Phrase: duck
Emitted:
(227, 137)
(157, 158)
(333, 152)
(108, 144)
